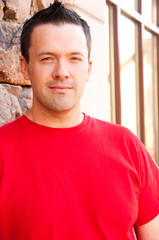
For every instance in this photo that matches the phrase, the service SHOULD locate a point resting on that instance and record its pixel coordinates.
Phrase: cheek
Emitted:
(40, 70)
(81, 85)
(37, 77)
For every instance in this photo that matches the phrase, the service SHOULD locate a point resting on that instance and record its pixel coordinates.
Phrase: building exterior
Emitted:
(124, 87)
(133, 69)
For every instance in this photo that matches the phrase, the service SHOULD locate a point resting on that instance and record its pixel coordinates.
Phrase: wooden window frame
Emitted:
(142, 24)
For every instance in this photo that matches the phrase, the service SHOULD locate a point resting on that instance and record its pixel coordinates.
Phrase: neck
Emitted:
(65, 119)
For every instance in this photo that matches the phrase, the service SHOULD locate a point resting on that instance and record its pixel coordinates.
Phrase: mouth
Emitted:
(60, 88)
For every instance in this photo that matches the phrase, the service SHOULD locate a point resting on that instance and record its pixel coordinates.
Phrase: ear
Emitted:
(89, 70)
(24, 67)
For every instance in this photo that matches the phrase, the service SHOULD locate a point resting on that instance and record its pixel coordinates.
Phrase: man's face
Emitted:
(58, 66)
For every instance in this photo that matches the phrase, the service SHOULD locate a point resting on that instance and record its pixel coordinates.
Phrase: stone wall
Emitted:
(15, 92)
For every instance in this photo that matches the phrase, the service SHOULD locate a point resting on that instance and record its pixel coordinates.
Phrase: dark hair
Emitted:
(57, 13)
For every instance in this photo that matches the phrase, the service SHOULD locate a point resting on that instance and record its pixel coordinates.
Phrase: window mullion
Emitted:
(117, 65)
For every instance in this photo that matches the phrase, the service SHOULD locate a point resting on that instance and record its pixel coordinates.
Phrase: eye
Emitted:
(46, 59)
(76, 59)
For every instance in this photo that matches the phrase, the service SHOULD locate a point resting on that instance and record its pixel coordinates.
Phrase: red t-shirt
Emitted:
(94, 181)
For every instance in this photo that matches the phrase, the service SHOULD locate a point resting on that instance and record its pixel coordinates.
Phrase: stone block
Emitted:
(37, 5)
(34, 7)
(25, 99)
(17, 10)
(14, 102)
(10, 71)
(44, 3)
(9, 106)
(13, 89)
(1, 9)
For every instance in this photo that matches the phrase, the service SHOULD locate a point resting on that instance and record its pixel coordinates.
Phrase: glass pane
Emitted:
(149, 10)
(132, 4)
(128, 68)
(149, 92)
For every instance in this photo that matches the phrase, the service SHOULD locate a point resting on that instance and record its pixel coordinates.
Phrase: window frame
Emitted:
(136, 15)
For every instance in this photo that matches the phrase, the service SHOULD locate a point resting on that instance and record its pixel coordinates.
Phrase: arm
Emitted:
(148, 231)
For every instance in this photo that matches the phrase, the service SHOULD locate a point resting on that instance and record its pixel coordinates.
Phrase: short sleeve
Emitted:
(149, 187)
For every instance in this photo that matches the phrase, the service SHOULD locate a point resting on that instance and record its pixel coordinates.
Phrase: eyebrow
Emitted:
(77, 53)
(53, 54)
(45, 53)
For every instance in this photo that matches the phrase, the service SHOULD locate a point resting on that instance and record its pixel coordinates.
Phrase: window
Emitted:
(127, 72)
(149, 10)
(133, 69)
(150, 72)
(131, 4)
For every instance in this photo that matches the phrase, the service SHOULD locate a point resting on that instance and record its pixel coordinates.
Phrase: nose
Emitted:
(60, 71)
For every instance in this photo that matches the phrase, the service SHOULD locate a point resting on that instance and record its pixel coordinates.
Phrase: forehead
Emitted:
(62, 34)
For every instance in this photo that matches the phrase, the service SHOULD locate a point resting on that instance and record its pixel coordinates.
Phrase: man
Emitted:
(65, 175)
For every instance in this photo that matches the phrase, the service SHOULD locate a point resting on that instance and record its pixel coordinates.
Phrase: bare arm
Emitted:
(148, 231)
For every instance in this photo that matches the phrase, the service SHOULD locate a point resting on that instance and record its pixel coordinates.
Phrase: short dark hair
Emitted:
(56, 13)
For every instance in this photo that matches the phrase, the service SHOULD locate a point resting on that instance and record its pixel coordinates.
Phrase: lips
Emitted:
(60, 88)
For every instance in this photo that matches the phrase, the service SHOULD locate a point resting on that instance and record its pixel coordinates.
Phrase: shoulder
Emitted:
(113, 130)
(10, 128)
(120, 140)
